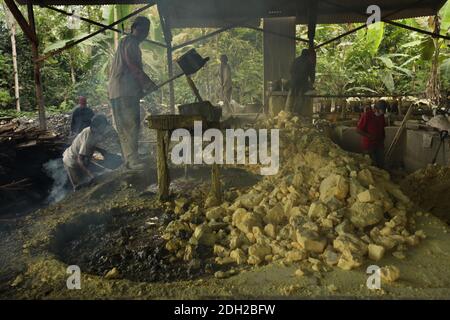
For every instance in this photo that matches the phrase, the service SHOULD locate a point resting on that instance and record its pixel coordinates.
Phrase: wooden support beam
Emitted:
(168, 38)
(98, 24)
(162, 137)
(340, 36)
(37, 71)
(216, 186)
(24, 25)
(404, 26)
(206, 36)
(70, 45)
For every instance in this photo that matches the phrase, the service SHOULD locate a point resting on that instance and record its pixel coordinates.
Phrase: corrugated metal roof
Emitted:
(219, 13)
(216, 13)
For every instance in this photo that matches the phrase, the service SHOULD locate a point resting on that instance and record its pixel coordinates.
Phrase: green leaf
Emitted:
(388, 80)
(427, 49)
(387, 61)
(374, 36)
(445, 17)
(445, 68)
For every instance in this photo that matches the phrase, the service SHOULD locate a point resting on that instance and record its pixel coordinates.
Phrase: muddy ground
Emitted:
(116, 223)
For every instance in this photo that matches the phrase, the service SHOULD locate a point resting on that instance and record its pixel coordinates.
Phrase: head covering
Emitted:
(82, 100)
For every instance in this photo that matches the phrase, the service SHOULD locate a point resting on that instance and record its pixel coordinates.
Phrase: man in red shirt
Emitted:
(371, 127)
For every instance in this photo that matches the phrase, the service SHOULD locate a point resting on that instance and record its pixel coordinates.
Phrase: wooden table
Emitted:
(164, 125)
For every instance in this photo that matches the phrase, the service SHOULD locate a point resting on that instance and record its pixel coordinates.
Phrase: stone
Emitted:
(389, 274)
(275, 215)
(181, 202)
(317, 210)
(311, 241)
(399, 255)
(365, 177)
(376, 252)
(299, 273)
(204, 235)
(259, 250)
(250, 200)
(344, 227)
(245, 220)
(330, 257)
(215, 213)
(18, 280)
(270, 231)
(239, 256)
(219, 250)
(334, 186)
(295, 256)
(365, 214)
(221, 275)
(112, 274)
(189, 253)
(370, 195)
(350, 243)
(349, 261)
(254, 260)
(237, 240)
(355, 188)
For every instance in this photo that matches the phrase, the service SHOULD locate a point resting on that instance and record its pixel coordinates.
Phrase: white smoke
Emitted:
(55, 170)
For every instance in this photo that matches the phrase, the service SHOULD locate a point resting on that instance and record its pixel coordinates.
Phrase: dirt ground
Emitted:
(35, 252)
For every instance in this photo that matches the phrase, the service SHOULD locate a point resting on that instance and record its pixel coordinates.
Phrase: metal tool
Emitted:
(189, 63)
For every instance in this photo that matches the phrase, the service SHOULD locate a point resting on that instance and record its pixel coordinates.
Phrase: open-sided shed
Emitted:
(280, 18)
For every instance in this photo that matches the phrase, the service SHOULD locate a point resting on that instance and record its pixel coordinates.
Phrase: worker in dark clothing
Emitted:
(371, 127)
(127, 85)
(81, 116)
(303, 75)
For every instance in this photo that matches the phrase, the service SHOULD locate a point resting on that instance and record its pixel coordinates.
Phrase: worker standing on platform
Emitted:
(371, 127)
(128, 84)
(303, 75)
(226, 83)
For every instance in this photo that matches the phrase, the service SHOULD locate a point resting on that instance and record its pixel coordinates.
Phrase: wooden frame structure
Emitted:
(227, 16)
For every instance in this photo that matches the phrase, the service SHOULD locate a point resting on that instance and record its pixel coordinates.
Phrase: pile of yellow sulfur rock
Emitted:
(326, 207)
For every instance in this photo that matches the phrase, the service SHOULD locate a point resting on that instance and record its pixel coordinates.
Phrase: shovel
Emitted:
(190, 63)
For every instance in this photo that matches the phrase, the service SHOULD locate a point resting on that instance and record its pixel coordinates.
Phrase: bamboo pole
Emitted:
(398, 134)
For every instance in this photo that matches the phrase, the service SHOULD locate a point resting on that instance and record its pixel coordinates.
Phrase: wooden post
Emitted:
(162, 167)
(170, 72)
(216, 188)
(194, 88)
(37, 70)
(165, 24)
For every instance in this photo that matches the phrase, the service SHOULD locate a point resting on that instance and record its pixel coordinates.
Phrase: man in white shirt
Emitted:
(77, 157)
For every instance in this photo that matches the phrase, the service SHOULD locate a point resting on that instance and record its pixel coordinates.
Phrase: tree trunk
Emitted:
(433, 91)
(72, 71)
(116, 34)
(12, 27)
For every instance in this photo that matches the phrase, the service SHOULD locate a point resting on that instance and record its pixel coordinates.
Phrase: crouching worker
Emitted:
(77, 157)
